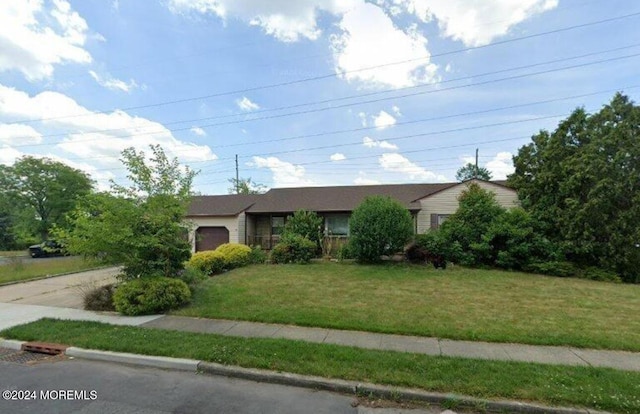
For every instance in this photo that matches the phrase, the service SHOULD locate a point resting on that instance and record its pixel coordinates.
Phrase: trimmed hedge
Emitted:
(293, 248)
(235, 254)
(150, 295)
(210, 262)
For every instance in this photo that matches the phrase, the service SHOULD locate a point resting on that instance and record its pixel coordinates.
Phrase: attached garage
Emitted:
(208, 238)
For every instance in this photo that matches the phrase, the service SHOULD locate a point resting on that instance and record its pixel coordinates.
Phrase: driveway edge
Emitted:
(15, 282)
(312, 382)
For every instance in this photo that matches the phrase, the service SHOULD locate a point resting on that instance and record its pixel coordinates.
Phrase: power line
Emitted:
(402, 123)
(331, 75)
(398, 138)
(491, 81)
(191, 121)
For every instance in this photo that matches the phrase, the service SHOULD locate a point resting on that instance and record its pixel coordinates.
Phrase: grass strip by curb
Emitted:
(598, 388)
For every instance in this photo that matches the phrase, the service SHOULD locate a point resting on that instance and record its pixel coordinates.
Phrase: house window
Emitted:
(337, 225)
(438, 219)
(277, 225)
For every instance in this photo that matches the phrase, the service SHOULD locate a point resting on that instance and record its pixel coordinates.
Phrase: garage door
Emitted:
(208, 238)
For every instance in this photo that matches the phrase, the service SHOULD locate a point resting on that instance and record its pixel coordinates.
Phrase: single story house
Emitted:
(258, 219)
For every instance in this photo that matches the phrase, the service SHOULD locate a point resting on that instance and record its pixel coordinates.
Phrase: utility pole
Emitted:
(238, 176)
(475, 175)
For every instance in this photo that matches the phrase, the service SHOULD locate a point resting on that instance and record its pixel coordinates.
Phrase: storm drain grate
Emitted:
(6, 351)
(26, 358)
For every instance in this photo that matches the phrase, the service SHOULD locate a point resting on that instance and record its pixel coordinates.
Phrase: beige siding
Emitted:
(231, 223)
(242, 222)
(446, 201)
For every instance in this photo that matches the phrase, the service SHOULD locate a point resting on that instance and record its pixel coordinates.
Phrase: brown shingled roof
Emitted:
(340, 198)
(221, 205)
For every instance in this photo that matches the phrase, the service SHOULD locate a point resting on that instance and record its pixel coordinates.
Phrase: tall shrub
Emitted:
(306, 224)
(477, 211)
(379, 226)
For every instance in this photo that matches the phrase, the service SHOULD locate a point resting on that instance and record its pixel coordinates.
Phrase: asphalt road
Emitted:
(105, 388)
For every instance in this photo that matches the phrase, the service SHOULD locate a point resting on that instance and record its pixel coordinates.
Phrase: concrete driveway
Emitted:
(61, 291)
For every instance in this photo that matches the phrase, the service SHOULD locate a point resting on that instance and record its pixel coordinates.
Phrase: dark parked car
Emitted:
(48, 248)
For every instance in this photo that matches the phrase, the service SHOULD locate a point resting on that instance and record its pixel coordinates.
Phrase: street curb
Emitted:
(312, 382)
(180, 364)
(381, 391)
(283, 378)
(11, 344)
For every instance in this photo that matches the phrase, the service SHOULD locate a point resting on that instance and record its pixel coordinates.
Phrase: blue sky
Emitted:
(305, 93)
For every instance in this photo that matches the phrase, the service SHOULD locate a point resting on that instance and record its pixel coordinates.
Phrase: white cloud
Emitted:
(198, 131)
(372, 143)
(34, 37)
(285, 174)
(383, 120)
(477, 22)
(362, 179)
(363, 118)
(399, 164)
(100, 137)
(113, 83)
(337, 157)
(246, 104)
(15, 134)
(370, 39)
(286, 20)
(9, 155)
(396, 110)
(501, 165)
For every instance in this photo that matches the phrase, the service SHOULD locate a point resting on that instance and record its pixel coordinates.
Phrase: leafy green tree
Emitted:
(306, 224)
(7, 235)
(379, 226)
(140, 226)
(470, 171)
(245, 186)
(513, 241)
(582, 182)
(50, 189)
(476, 212)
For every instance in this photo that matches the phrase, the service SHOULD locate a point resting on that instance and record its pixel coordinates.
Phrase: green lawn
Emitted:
(13, 253)
(458, 303)
(15, 270)
(599, 388)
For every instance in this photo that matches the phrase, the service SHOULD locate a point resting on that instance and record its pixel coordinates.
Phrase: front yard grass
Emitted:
(458, 303)
(16, 270)
(599, 388)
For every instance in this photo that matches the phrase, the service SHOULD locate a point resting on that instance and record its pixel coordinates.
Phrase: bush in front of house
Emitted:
(379, 226)
(306, 224)
(210, 262)
(235, 254)
(435, 244)
(513, 240)
(477, 210)
(257, 255)
(191, 275)
(293, 248)
(345, 252)
(150, 295)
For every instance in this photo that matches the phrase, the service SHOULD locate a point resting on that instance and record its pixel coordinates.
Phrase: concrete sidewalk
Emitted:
(12, 314)
(628, 361)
